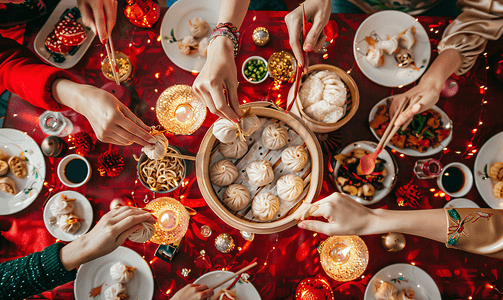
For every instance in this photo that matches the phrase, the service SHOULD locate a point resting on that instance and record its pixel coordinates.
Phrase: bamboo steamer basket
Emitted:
(210, 144)
(352, 101)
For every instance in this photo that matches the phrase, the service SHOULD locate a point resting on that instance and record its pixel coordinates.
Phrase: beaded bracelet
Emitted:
(222, 29)
(229, 25)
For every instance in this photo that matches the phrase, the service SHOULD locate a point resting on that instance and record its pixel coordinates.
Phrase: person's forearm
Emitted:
(75, 253)
(431, 223)
(66, 92)
(233, 11)
(441, 69)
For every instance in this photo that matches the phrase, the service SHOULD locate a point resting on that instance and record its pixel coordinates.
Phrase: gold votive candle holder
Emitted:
(172, 220)
(126, 69)
(281, 66)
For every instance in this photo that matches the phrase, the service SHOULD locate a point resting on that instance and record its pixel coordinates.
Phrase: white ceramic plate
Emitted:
(17, 143)
(97, 272)
(447, 123)
(490, 153)
(382, 24)
(39, 44)
(244, 290)
(461, 203)
(83, 209)
(414, 278)
(391, 167)
(177, 19)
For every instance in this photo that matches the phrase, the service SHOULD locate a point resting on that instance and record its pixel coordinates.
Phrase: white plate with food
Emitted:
(97, 273)
(17, 143)
(380, 26)
(82, 213)
(461, 203)
(490, 153)
(175, 26)
(403, 277)
(445, 130)
(383, 179)
(244, 290)
(63, 61)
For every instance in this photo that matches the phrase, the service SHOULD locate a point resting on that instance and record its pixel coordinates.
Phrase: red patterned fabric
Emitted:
(290, 255)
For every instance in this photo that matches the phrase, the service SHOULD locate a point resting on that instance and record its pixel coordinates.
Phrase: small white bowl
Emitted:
(243, 69)
(61, 170)
(468, 180)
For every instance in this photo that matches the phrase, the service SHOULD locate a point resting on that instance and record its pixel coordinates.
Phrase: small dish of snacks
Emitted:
(348, 177)
(255, 69)
(162, 175)
(63, 40)
(427, 134)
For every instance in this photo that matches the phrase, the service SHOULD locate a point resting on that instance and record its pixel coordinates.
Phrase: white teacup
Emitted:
(467, 185)
(74, 178)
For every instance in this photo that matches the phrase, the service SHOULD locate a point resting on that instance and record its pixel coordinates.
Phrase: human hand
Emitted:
(428, 95)
(318, 12)
(110, 232)
(99, 15)
(344, 215)
(219, 73)
(193, 292)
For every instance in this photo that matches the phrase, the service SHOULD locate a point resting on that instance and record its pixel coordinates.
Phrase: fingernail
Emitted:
(301, 225)
(235, 121)
(308, 47)
(104, 41)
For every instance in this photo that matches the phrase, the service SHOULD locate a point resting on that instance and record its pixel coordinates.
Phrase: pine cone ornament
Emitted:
(111, 164)
(82, 142)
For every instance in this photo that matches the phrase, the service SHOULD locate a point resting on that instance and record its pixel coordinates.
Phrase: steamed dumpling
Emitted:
(385, 291)
(405, 294)
(496, 171)
(7, 185)
(235, 149)
(17, 166)
(236, 197)
(144, 234)
(69, 223)
(294, 158)
(324, 112)
(159, 149)
(223, 173)
(250, 124)
(311, 91)
(375, 57)
(203, 47)
(4, 168)
(274, 136)
(121, 273)
(187, 45)
(260, 172)
(289, 187)
(407, 39)
(3, 156)
(199, 27)
(117, 291)
(389, 46)
(265, 206)
(62, 206)
(225, 131)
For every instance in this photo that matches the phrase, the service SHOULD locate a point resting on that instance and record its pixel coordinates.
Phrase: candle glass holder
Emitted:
(344, 258)
(54, 123)
(124, 65)
(172, 220)
(282, 66)
(179, 110)
(427, 168)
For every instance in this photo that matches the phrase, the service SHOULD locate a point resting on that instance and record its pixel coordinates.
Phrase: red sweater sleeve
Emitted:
(24, 74)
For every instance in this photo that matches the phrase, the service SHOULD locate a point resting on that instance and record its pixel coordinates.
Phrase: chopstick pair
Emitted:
(300, 68)
(233, 275)
(111, 59)
(391, 130)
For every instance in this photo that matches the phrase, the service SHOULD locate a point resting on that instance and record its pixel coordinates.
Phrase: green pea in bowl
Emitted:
(255, 69)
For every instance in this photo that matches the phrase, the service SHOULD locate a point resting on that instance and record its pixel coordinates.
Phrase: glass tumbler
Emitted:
(427, 168)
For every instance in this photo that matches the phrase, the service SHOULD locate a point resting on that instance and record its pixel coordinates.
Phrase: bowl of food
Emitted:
(255, 184)
(255, 69)
(164, 175)
(347, 175)
(327, 98)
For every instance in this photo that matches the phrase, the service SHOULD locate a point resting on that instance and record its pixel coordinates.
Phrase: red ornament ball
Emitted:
(451, 88)
(82, 142)
(70, 33)
(55, 45)
(498, 70)
(111, 164)
(313, 288)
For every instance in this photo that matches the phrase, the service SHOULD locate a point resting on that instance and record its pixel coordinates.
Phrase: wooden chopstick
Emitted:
(111, 62)
(187, 157)
(233, 275)
(114, 61)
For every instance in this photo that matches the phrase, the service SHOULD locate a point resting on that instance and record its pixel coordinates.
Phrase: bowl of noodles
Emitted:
(164, 175)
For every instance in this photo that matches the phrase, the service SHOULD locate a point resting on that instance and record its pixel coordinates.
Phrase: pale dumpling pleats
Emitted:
(199, 27)
(121, 273)
(144, 234)
(374, 55)
(236, 197)
(227, 131)
(407, 39)
(69, 223)
(294, 158)
(235, 149)
(117, 291)
(187, 45)
(159, 149)
(274, 136)
(389, 46)
(265, 206)
(289, 187)
(260, 172)
(223, 173)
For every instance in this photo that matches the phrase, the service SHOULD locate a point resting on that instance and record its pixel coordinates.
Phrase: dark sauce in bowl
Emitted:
(76, 170)
(453, 179)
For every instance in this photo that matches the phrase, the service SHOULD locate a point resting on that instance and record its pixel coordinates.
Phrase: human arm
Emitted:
(193, 292)
(99, 15)
(219, 71)
(55, 265)
(317, 12)
(347, 217)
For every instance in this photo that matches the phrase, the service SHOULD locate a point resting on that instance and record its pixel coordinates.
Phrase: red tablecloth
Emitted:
(289, 256)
